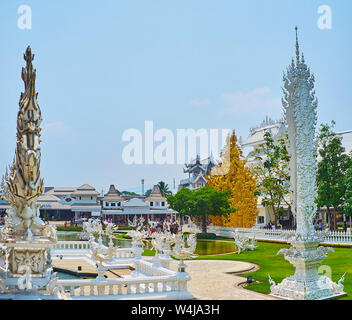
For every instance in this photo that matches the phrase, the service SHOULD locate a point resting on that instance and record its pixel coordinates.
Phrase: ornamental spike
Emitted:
(297, 46)
(25, 184)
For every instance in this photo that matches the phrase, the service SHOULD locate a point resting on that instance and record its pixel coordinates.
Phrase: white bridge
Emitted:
(150, 279)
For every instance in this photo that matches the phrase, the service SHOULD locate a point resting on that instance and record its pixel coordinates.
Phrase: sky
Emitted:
(105, 67)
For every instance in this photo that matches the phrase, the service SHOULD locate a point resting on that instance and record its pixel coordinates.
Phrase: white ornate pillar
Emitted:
(305, 255)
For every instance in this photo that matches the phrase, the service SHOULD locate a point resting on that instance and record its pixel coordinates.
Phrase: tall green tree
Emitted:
(201, 203)
(147, 193)
(164, 188)
(332, 168)
(347, 206)
(273, 179)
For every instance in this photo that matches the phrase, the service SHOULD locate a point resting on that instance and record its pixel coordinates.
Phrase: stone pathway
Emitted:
(211, 281)
(86, 267)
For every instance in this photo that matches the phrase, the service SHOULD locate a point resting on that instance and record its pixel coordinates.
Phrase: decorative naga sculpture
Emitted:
(181, 251)
(24, 184)
(243, 243)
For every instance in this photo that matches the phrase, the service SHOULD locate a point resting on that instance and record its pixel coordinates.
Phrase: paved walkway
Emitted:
(211, 280)
(86, 267)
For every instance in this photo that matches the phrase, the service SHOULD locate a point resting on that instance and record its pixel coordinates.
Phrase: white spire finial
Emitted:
(297, 46)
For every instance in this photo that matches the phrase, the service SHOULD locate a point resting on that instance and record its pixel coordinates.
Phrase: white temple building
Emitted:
(256, 139)
(119, 209)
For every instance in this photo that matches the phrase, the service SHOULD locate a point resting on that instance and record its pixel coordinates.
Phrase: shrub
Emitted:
(123, 227)
(201, 236)
(69, 228)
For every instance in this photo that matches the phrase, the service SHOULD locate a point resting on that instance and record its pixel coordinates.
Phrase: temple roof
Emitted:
(257, 136)
(155, 195)
(204, 165)
(60, 191)
(112, 195)
(135, 202)
(85, 190)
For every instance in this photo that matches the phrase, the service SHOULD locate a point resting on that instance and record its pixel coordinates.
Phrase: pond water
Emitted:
(208, 247)
(66, 276)
(204, 247)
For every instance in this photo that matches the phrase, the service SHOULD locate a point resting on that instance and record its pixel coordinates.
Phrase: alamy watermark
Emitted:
(165, 147)
(325, 18)
(24, 21)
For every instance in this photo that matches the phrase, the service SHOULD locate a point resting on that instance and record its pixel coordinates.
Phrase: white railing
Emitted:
(148, 269)
(72, 245)
(114, 287)
(156, 280)
(339, 237)
(119, 253)
(332, 237)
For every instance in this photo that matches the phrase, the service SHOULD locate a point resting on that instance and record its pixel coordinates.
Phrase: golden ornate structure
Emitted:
(233, 174)
(24, 184)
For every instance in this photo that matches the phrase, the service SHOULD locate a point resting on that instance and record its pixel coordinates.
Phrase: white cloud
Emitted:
(257, 100)
(57, 127)
(53, 125)
(200, 102)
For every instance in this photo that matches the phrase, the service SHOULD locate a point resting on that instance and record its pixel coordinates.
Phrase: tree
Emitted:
(347, 206)
(201, 203)
(164, 188)
(129, 193)
(233, 174)
(331, 172)
(273, 174)
(147, 193)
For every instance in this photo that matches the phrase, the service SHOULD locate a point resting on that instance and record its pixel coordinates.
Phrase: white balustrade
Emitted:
(123, 286)
(72, 245)
(332, 237)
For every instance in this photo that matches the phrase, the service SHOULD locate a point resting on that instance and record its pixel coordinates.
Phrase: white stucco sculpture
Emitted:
(243, 243)
(300, 108)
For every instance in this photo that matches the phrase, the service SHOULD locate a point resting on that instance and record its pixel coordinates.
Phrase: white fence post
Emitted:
(333, 237)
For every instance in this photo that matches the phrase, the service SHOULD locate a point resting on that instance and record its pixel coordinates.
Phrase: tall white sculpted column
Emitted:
(300, 109)
(25, 240)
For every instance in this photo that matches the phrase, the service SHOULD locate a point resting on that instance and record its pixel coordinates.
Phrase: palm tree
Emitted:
(164, 188)
(147, 193)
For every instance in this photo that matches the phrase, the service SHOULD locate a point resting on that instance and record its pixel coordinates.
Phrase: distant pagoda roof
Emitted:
(112, 195)
(204, 165)
(85, 190)
(257, 134)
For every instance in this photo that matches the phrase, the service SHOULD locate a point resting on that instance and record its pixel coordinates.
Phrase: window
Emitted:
(106, 204)
(260, 219)
(163, 204)
(91, 198)
(113, 204)
(151, 203)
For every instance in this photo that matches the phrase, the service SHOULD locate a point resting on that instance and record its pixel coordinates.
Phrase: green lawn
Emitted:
(265, 255)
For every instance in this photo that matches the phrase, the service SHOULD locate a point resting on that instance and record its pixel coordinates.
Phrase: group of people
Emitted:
(167, 224)
(272, 226)
(318, 226)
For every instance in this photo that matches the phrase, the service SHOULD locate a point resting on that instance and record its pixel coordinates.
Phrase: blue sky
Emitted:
(106, 66)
